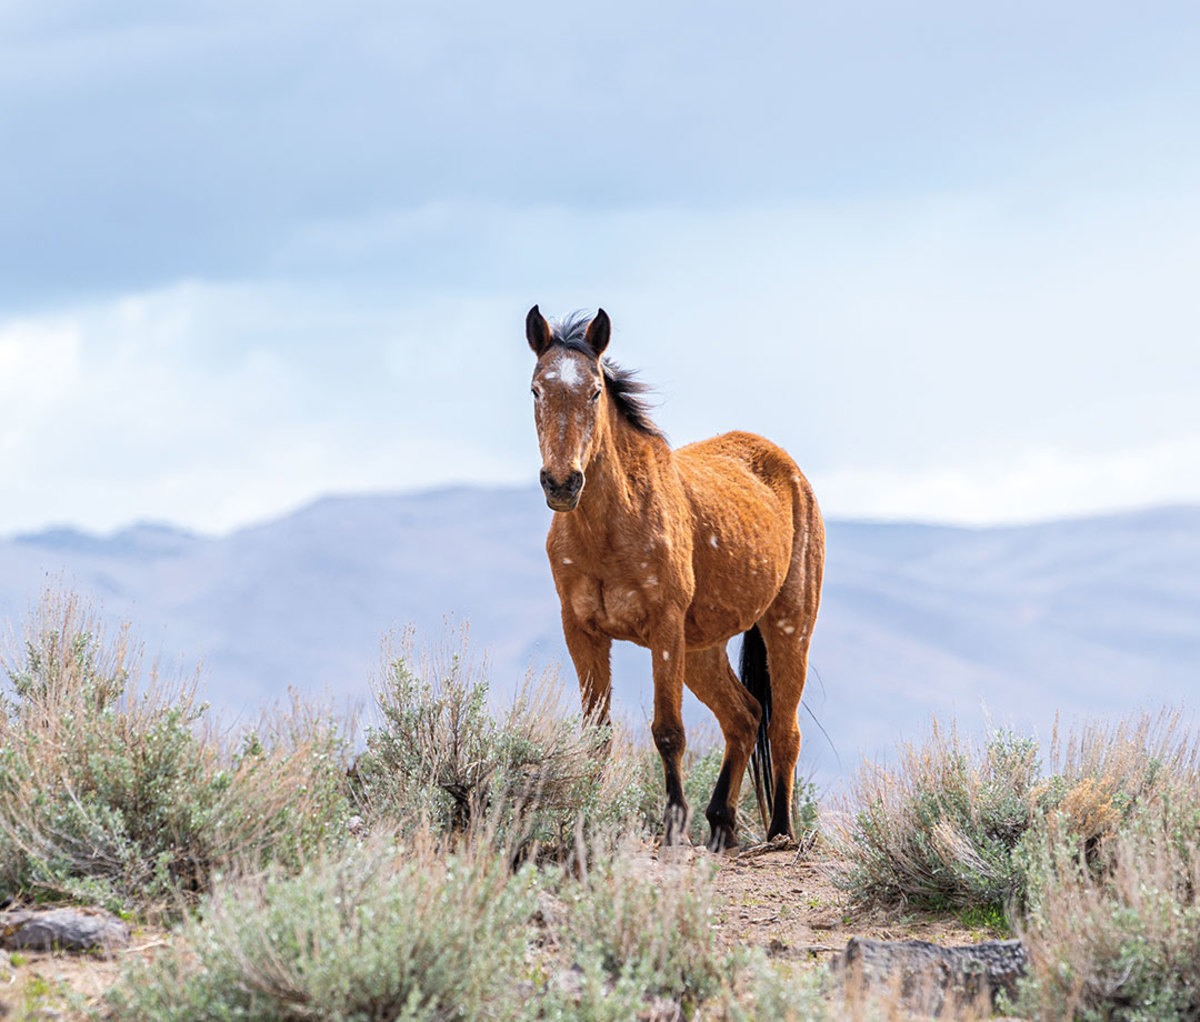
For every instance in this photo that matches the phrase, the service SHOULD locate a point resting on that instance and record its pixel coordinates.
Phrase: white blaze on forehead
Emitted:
(570, 370)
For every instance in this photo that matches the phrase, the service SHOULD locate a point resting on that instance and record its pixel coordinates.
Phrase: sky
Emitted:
(258, 252)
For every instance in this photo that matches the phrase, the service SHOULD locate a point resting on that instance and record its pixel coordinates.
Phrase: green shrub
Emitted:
(645, 930)
(941, 828)
(110, 791)
(531, 778)
(637, 932)
(1112, 919)
(363, 935)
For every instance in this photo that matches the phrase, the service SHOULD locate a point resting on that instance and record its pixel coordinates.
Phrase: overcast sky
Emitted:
(252, 253)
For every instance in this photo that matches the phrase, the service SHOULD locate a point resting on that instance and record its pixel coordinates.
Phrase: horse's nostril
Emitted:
(570, 486)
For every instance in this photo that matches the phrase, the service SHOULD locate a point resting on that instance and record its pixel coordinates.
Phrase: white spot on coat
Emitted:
(712, 541)
(567, 560)
(666, 654)
(652, 580)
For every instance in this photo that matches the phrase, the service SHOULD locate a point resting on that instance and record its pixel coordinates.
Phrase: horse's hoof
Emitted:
(722, 843)
(675, 826)
(676, 839)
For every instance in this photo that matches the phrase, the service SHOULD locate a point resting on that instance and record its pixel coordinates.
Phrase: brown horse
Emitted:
(678, 551)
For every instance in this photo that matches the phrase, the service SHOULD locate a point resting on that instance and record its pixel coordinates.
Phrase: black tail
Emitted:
(757, 679)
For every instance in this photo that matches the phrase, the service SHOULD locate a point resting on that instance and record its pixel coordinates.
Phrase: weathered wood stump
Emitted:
(930, 978)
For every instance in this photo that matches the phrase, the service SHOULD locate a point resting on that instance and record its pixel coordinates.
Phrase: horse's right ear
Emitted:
(598, 332)
(537, 331)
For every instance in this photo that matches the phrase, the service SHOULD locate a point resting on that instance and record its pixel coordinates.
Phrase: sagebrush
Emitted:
(533, 777)
(114, 791)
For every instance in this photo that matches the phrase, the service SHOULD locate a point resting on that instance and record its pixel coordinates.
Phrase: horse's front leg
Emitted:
(590, 653)
(669, 652)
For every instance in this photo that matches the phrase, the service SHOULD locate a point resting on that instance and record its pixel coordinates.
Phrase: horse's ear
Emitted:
(598, 332)
(537, 331)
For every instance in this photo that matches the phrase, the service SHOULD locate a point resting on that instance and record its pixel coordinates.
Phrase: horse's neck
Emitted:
(623, 480)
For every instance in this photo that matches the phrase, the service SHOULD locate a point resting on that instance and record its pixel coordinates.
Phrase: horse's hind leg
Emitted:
(709, 675)
(786, 628)
(787, 660)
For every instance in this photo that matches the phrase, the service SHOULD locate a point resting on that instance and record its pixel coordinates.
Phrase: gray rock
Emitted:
(63, 929)
(550, 915)
(930, 978)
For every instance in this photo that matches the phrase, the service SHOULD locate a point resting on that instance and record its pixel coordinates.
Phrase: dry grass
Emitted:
(376, 932)
(115, 787)
(944, 827)
(1113, 916)
(116, 791)
(533, 778)
(938, 828)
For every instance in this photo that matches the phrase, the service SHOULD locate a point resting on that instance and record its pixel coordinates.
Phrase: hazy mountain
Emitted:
(1091, 616)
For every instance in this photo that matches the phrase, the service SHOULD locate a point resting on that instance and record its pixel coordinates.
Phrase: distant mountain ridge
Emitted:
(1096, 615)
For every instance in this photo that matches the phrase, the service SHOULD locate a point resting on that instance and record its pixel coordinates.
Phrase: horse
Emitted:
(678, 551)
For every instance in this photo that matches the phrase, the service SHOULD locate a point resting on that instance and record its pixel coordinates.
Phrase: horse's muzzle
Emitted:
(562, 496)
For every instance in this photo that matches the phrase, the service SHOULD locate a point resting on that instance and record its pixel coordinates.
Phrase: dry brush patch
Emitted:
(939, 827)
(532, 777)
(1112, 919)
(116, 789)
(1092, 854)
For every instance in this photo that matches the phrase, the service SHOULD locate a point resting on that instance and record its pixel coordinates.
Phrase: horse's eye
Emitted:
(595, 396)
(534, 392)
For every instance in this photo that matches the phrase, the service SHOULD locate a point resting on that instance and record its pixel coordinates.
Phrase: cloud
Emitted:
(1030, 485)
(943, 358)
(152, 143)
(257, 253)
(183, 405)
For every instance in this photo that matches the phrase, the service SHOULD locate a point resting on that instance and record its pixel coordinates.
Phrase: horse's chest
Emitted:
(612, 608)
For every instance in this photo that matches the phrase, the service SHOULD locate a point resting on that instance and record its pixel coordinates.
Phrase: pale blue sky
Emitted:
(258, 252)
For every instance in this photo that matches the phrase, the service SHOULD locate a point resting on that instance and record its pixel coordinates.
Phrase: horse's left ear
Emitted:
(537, 331)
(598, 332)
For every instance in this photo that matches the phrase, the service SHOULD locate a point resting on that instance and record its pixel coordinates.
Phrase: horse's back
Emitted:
(740, 460)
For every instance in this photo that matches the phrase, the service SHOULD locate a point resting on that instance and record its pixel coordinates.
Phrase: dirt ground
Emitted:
(787, 904)
(64, 985)
(778, 900)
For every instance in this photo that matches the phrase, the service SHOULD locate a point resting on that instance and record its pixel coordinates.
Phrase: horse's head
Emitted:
(568, 384)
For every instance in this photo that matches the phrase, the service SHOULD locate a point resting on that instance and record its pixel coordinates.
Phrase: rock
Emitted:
(569, 981)
(550, 914)
(931, 978)
(63, 929)
(662, 1009)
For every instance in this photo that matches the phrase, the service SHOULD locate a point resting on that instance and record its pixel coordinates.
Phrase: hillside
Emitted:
(1094, 615)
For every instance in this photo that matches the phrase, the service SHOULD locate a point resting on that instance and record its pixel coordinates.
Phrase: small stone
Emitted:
(63, 929)
(551, 912)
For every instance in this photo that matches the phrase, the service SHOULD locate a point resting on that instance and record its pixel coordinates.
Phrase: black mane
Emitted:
(622, 384)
